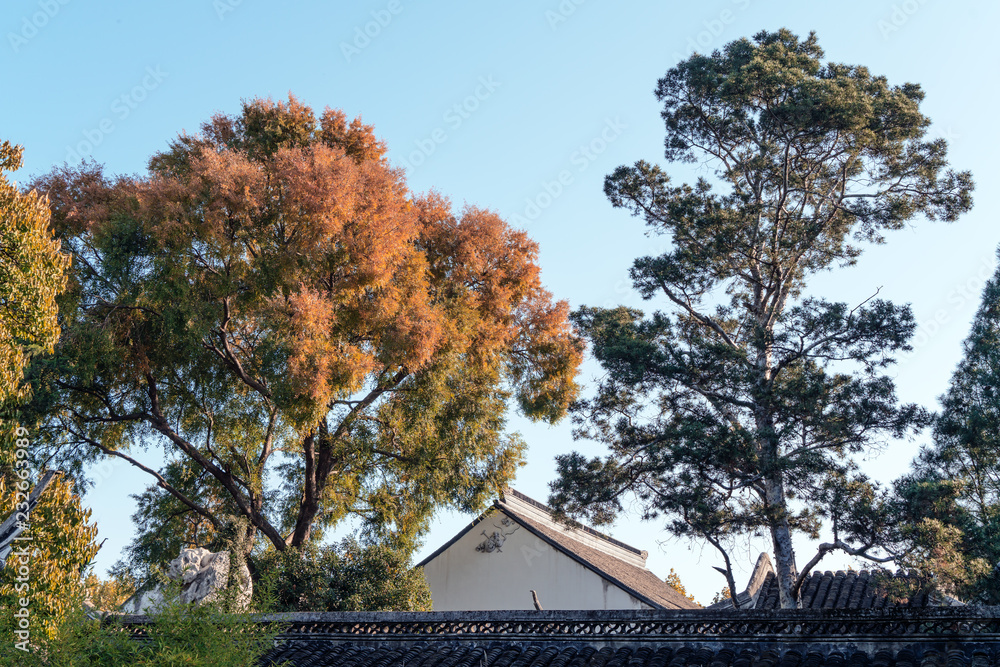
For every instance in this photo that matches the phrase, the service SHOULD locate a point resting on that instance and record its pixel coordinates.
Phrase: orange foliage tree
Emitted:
(306, 338)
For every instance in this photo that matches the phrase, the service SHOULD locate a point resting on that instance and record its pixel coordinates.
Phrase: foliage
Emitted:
(674, 581)
(32, 274)
(737, 413)
(108, 594)
(305, 338)
(180, 634)
(61, 547)
(722, 595)
(954, 487)
(164, 526)
(343, 577)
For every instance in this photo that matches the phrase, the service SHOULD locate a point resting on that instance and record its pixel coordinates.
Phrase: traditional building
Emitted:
(517, 547)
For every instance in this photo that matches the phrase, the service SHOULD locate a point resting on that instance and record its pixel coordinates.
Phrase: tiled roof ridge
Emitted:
(982, 621)
(888, 637)
(576, 526)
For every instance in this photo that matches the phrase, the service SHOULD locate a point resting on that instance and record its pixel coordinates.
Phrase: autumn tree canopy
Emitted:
(736, 411)
(60, 540)
(61, 546)
(32, 274)
(304, 338)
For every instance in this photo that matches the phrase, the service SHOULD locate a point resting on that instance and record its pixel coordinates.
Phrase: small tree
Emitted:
(722, 595)
(737, 412)
(60, 545)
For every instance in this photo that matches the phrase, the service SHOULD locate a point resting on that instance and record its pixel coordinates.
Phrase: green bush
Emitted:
(342, 577)
(205, 635)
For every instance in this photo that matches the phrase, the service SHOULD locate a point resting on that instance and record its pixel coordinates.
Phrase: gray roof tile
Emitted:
(832, 637)
(848, 590)
(320, 654)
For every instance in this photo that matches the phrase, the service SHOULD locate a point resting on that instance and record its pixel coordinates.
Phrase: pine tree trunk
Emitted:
(774, 483)
(781, 537)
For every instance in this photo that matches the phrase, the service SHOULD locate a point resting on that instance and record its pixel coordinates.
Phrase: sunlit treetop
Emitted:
(274, 305)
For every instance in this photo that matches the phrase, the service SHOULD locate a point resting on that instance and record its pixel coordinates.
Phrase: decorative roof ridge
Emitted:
(921, 629)
(702, 615)
(514, 493)
(758, 577)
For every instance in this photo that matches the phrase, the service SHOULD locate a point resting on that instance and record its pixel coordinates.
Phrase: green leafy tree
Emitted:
(32, 274)
(737, 412)
(955, 483)
(60, 541)
(56, 557)
(347, 576)
(305, 338)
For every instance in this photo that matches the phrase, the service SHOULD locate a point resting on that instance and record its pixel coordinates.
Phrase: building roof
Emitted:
(890, 637)
(839, 590)
(616, 562)
(427, 655)
(849, 590)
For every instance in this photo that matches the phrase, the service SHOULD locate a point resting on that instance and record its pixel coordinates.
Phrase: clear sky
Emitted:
(489, 105)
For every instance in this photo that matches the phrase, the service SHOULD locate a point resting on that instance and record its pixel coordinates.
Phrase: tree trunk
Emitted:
(319, 461)
(309, 505)
(774, 482)
(781, 537)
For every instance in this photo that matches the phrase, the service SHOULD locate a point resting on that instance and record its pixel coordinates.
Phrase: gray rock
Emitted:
(203, 575)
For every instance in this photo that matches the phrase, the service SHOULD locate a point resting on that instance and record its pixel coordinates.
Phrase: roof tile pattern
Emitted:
(888, 637)
(843, 590)
(329, 654)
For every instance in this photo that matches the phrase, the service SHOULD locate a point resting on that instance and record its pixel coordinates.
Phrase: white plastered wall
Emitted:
(464, 579)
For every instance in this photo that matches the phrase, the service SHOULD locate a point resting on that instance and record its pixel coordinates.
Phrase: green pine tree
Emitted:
(737, 411)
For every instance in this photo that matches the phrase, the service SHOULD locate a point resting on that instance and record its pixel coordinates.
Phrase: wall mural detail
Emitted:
(495, 540)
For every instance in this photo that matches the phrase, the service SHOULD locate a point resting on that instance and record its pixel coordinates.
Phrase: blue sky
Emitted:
(522, 107)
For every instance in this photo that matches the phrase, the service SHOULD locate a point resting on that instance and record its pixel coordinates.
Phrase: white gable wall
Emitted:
(464, 579)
